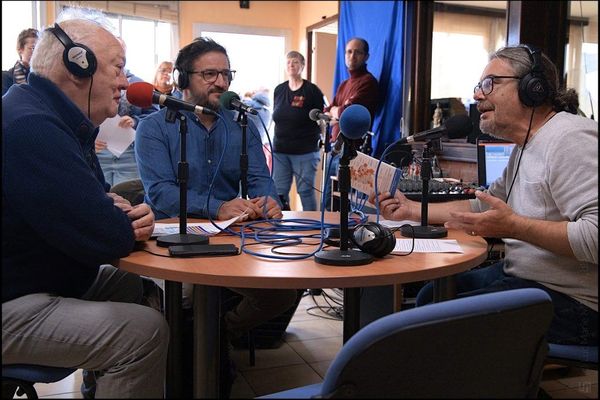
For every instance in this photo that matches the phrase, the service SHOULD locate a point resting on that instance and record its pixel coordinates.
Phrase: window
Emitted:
(460, 48)
(29, 17)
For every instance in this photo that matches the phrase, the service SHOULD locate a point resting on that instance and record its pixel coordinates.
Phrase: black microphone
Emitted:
(456, 127)
(316, 115)
(231, 101)
(142, 94)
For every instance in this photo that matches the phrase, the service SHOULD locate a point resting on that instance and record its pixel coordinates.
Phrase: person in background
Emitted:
(25, 45)
(204, 74)
(163, 80)
(361, 88)
(123, 168)
(296, 145)
(259, 100)
(63, 305)
(544, 206)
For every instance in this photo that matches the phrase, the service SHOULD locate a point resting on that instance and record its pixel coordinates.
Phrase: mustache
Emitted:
(484, 106)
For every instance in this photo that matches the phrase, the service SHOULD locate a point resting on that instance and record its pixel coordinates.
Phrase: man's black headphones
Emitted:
(78, 58)
(370, 237)
(181, 78)
(533, 87)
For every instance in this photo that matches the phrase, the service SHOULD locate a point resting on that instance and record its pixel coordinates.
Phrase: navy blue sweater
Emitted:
(58, 224)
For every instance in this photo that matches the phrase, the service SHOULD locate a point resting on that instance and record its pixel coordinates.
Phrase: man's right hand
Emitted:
(396, 208)
(238, 206)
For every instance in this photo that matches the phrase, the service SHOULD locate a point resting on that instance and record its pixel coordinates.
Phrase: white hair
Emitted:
(78, 23)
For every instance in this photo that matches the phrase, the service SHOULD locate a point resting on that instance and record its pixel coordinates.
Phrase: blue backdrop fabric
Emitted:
(380, 23)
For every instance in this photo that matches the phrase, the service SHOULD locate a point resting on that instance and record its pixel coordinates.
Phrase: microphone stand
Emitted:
(182, 238)
(425, 231)
(344, 257)
(243, 121)
(326, 151)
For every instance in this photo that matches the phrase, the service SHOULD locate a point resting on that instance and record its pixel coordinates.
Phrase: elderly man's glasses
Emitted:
(211, 75)
(487, 84)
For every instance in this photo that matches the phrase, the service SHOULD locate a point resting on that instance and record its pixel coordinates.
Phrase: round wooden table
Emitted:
(248, 271)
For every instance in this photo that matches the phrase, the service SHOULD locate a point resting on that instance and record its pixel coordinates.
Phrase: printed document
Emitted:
(117, 139)
(427, 246)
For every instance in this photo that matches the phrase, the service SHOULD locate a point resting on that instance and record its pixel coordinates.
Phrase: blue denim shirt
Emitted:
(157, 149)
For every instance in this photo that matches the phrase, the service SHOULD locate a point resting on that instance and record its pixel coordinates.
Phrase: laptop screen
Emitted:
(492, 158)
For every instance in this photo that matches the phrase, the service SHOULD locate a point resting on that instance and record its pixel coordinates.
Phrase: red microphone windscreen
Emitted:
(140, 94)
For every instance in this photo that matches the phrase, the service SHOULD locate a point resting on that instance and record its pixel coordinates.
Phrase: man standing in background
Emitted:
(361, 88)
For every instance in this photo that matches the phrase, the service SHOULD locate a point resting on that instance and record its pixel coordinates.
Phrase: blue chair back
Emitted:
(573, 355)
(490, 345)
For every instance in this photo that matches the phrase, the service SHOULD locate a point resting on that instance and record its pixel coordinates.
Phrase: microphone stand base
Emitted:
(424, 232)
(343, 258)
(181, 239)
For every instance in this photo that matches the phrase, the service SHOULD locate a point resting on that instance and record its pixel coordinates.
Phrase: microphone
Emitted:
(142, 94)
(231, 101)
(316, 115)
(354, 124)
(355, 121)
(456, 127)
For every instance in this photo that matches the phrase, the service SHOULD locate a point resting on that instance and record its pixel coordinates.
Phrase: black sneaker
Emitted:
(88, 384)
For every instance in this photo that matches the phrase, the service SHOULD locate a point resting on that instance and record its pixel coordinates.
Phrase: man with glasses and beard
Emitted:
(203, 74)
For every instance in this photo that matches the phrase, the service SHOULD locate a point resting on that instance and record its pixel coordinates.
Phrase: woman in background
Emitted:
(296, 143)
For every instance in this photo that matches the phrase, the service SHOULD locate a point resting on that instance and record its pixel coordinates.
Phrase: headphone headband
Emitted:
(79, 59)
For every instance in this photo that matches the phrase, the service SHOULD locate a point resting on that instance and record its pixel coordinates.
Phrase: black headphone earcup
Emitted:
(181, 78)
(80, 60)
(533, 90)
(374, 239)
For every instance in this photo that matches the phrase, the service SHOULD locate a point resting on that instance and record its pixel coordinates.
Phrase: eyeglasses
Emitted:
(487, 84)
(211, 75)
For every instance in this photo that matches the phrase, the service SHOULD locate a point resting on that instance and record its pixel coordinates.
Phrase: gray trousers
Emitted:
(104, 331)
(257, 306)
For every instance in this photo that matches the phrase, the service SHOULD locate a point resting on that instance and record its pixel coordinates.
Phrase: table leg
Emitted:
(174, 317)
(444, 288)
(206, 341)
(351, 312)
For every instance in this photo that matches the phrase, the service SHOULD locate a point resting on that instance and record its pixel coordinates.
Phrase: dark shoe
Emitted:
(88, 384)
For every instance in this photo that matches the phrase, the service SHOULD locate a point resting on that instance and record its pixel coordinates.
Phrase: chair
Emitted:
(20, 378)
(490, 345)
(573, 356)
(132, 190)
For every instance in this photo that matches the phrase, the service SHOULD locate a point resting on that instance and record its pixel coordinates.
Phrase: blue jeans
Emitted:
(332, 171)
(118, 169)
(573, 323)
(304, 168)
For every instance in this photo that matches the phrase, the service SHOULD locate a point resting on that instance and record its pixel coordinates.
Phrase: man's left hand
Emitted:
(142, 221)
(498, 221)
(273, 209)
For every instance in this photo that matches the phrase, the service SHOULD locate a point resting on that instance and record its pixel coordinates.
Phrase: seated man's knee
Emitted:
(425, 295)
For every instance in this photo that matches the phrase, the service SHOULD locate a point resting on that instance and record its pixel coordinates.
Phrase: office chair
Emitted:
(20, 378)
(132, 190)
(490, 345)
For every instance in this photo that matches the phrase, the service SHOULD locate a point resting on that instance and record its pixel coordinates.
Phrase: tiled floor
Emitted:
(310, 344)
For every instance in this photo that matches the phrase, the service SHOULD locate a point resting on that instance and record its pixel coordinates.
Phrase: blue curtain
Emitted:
(380, 23)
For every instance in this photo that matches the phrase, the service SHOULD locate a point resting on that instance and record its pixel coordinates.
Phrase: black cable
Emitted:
(90, 97)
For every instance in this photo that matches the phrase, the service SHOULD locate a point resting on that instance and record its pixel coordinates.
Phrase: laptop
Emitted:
(492, 158)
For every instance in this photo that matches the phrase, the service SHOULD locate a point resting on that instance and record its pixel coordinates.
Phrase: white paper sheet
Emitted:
(428, 246)
(201, 228)
(397, 224)
(117, 139)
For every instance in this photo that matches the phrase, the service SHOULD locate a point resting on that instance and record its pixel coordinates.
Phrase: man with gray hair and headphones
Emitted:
(63, 305)
(545, 204)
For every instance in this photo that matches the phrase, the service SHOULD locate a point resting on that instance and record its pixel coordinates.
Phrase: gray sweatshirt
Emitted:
(557, 181)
